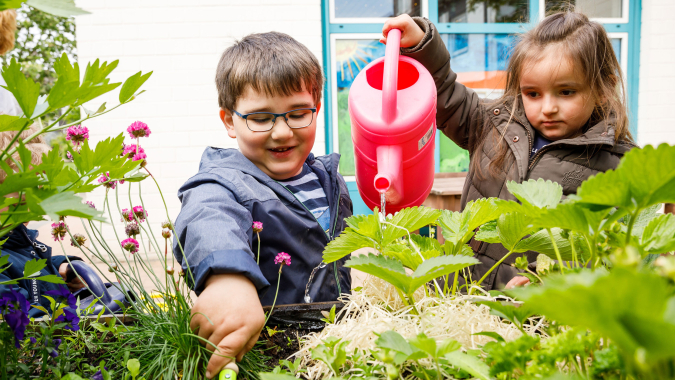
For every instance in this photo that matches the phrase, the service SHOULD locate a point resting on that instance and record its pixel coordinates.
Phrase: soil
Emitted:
(282, 343)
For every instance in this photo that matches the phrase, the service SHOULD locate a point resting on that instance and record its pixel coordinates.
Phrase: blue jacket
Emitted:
(214, 227)
(22, 246)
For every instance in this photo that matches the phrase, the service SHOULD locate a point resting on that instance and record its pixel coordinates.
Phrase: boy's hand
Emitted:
(411, 33)
(66, 271)
(231, 303)
(517, 281)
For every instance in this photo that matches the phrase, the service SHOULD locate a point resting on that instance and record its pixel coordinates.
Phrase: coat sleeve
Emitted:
(456, 104)
(213, 233)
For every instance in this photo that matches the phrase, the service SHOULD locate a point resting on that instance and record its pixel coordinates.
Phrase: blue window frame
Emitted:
(478, 35)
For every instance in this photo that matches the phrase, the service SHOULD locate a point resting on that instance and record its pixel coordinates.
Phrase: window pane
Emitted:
(487, 11)
(480, 62)
(592, 8)
(616, 45)
(376, 8)
(351, 57)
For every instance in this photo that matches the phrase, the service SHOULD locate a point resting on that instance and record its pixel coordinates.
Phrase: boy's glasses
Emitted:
(264, 121)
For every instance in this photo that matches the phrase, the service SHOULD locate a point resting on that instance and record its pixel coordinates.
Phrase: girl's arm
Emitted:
(456, 104)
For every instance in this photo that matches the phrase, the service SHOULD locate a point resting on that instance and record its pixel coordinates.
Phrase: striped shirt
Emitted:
(307, 188)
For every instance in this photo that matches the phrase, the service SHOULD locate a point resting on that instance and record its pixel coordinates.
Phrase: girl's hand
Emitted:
(517, 281)
(66, 271)
(411, 33)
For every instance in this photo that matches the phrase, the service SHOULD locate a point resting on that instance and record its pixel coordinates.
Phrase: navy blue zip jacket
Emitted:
(214, 227)
(22, 246)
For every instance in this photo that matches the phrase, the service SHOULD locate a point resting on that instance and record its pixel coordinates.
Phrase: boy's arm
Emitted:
(456, 103)
(213, 230)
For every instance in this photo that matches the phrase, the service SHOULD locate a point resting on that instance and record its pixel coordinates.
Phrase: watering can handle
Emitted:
(229, 372)
(390, 79)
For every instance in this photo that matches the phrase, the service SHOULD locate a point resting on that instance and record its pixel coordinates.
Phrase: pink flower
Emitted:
(105, 180)
(127, 215)
(140, 213)
(91, 204)
(282, 258)
(59, 231)
(138, 129)
(257, 227)
(69, 156)
(77, 134)
(136, 152)
(130, 245)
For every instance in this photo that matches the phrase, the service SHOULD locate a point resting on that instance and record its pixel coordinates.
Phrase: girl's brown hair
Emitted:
(586, 43)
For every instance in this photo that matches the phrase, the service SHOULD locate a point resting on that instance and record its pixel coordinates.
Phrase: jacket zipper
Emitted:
(328, 235)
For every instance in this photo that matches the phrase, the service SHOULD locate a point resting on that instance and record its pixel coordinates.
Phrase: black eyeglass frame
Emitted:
(276, 115)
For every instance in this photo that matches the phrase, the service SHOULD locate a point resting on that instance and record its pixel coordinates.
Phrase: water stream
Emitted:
(383, 206)
(307, 298)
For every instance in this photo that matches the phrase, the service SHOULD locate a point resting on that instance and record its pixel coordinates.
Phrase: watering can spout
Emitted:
(389, 179)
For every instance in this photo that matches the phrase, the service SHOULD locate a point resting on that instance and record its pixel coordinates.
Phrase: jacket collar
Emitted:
(20, 237)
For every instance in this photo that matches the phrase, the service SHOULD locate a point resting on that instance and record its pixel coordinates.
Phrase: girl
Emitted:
(562, 116)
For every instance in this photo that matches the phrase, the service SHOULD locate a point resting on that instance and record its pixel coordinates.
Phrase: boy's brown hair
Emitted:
(273, 63)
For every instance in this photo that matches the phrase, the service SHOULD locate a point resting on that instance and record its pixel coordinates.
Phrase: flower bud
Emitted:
(166, 233)
(79, 239)
(169, 271)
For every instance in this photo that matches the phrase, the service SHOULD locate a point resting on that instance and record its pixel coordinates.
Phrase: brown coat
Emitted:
(463, 117)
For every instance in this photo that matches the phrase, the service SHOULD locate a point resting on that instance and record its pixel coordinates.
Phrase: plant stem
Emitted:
(275, 295)
(631, 223)
(555, 248)
(258, 259)
(8, 151)
(498, 263)
(455, 282)
(575, 262)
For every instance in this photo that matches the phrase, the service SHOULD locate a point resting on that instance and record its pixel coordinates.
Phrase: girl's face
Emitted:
(557, 100)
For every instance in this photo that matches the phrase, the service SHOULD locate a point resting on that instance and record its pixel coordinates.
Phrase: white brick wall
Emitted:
(181, 43)
(656, 109)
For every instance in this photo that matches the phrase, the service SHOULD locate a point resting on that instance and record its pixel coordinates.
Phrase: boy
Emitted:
(269, 93)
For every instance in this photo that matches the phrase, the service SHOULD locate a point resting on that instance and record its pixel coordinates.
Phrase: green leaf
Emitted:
(367, 225)
(134, 367)
(539, 193)
(407, 221)
(447, 346)
(51, 278)
(278, 376)
(488, 233)
(131, 85)
(471, 364)
(512, 227)
(11, 123)
(492, 335)
(404, 254)
(436, 267)
(71, 376)
(643, 178)
(347, 242)
(61, 8)
(394, 341)
(10, 4)
(388, 269)
(42, 309)
(515, 313)
(458, 227)
(425, 344)
(25, 90)
(424, 243)
(68, 204)
(572, 216)
(33, 267)
(626, 306)
(541, 242)
(659, 234)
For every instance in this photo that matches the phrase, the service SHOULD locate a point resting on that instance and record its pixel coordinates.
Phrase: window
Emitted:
(478, 34)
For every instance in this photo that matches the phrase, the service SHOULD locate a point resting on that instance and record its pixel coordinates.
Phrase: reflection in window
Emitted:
(351, 56)
(480, 62)
(592, 8)
(485, 11)
(376, 8)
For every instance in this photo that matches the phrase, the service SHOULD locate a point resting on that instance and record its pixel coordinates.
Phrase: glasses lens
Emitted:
(260, 121)
(300, 118)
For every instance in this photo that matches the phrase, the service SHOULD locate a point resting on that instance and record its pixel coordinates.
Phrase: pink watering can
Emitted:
(392, 106)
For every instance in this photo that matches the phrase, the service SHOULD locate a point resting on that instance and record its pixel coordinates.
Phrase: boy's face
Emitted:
(280, 152)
